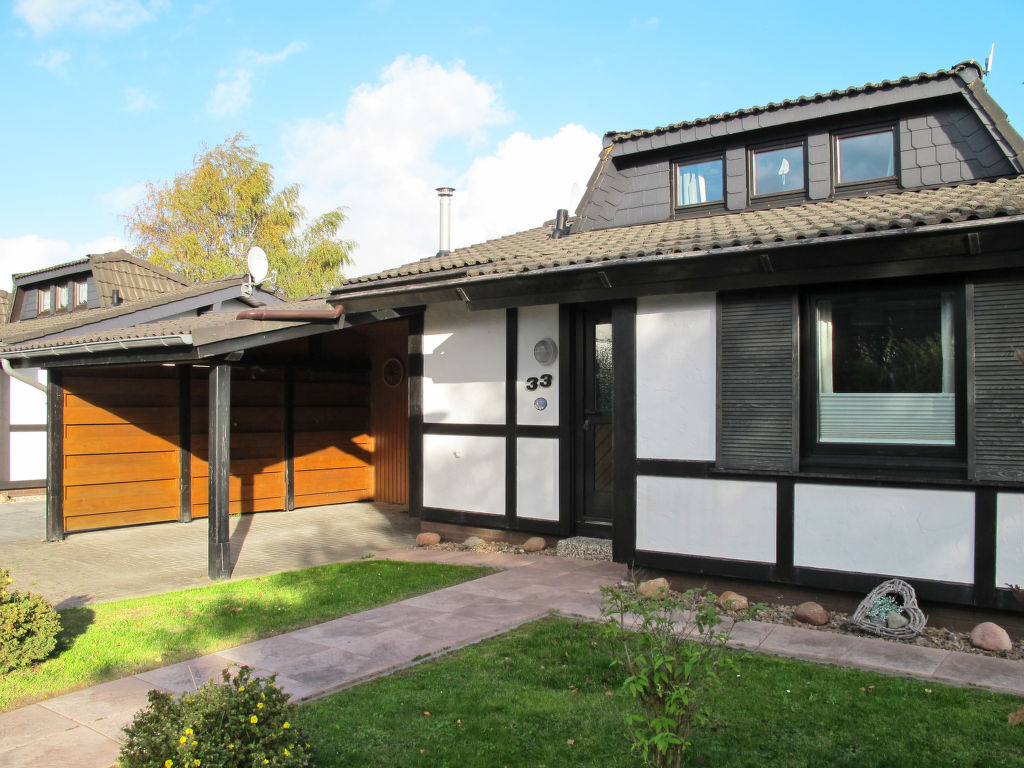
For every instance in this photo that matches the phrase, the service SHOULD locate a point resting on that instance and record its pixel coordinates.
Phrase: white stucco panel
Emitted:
(28, 456)
(708, 518)
(893, 531)
(28, 404)
(536, 323)
(676, 377)
(464, 473)
(537, 478)
(463, 365)
(1009, 539)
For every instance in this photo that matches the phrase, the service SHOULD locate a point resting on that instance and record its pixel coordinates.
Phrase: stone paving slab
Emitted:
(80, 730)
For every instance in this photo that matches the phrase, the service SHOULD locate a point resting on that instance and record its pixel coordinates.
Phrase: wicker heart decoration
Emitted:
(890, 597)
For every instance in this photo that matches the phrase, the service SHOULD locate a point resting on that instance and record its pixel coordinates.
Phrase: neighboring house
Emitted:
(776, 344)
(101, 291)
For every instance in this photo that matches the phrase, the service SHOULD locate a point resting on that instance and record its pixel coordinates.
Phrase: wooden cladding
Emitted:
(757, 381)
(390, 411)
(998, 329)
(120, 458)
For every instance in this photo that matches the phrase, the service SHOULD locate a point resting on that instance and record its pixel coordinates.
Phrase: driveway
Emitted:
(117, 563)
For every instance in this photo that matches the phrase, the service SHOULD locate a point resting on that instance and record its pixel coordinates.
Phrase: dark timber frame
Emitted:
(220, 470)
(54, 458)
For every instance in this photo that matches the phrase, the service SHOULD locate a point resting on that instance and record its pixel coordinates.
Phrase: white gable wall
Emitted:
(27, 406)
(464, 473)
(1009, 539)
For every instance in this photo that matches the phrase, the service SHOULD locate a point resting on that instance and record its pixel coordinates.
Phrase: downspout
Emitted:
(5, 364)
(308, 315)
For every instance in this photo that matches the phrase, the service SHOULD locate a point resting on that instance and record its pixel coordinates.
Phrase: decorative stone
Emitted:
(811, 613)
(732, 601)
(585, 548)
(896, 621)
(653, 588)
(428, 539)
(989, 636)
(472, 542)
(534, 544)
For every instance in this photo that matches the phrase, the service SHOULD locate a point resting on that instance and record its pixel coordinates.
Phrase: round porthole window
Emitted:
(545, 351)
(392, 372)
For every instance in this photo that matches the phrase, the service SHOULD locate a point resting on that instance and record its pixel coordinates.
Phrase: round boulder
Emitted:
(653, 588)
(991, 637)
(428, 539)
(732, 601)
(534, 544)
(811, 613)
(472, 542)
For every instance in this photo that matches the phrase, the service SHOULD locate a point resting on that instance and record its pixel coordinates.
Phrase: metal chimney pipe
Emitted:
(561, 222)
(444, 194)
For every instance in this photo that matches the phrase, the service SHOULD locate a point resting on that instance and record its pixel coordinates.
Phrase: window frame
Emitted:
(852, 188)
(696, 209)
(80, 294)
(48, 293)
(880, 456)
(67, 291)
(783, 196)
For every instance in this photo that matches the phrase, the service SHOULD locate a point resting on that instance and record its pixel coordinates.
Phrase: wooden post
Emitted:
(54, 457)
(184, 443)
(289, 439)
(220, 470)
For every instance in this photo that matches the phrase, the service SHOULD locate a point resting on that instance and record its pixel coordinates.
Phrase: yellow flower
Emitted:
(286, 753)
(196, 762)
(254, 719)
(241, 688)
(168, 763)
(259, 705)
(188, 731)
(286, 724)
(183, 739)
(194, 743)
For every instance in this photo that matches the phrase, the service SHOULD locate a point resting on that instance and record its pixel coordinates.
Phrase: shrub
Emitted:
(672, 654)
(239, 723)
(28, 626)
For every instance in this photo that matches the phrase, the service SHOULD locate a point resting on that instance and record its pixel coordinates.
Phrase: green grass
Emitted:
(105, 641)
(538, 697)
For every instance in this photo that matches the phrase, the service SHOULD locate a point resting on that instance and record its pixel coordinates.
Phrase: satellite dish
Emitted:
(258, 264)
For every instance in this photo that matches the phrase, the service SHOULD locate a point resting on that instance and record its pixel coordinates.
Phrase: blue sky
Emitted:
(371, 104)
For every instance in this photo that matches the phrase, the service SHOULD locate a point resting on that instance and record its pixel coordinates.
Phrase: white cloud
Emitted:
(383, 159)
(120, 200)
(55, 61)
(44, 16)
(138, 100)
(31, 252)
(234, 87)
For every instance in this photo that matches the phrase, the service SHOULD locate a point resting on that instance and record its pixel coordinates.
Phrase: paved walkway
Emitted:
(81, 729)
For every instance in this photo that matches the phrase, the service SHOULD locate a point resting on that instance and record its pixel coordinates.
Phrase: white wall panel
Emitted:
(464, 473)
(897, 531)
(675, 377)
(28, 456)
(463, 365)
(537, 478)
(536, 323)
(28, 404)
(707, 518)
(1010, 539)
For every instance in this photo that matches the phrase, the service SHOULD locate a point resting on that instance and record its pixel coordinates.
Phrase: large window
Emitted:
(865, 156)
(778, 169)
(886, 367)
(699, 182)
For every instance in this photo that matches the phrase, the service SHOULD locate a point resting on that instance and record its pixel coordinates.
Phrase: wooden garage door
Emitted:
(333, 446)
(257, 441)
(120, 447)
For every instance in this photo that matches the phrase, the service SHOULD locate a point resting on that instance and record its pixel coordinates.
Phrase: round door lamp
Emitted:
(545, 351)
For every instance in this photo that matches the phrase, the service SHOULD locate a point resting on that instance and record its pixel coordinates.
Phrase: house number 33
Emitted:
(544, 381)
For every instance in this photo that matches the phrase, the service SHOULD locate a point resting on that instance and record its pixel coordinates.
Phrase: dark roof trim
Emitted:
(25, 279)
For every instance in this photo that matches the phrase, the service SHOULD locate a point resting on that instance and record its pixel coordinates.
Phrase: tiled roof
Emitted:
(135, 278)
(924, 77)
(45, 326)
(535, 249)
(174, 327)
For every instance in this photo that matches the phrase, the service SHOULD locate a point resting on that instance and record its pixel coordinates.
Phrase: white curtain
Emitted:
(825, 346)
(948, 367)
(694, 188)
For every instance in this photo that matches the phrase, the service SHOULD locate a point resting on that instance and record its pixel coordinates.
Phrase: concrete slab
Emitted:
(971, 669)
(806, 644)
(894, 658)
(105, 708)
(75, 747)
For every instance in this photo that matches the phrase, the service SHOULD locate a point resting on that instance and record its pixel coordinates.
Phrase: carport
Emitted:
(224, 413)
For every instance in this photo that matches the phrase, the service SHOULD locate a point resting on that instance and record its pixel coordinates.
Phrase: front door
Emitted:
(593, 422)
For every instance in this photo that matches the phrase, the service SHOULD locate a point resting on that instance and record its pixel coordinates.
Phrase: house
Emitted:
(101, 291)
(776, 344)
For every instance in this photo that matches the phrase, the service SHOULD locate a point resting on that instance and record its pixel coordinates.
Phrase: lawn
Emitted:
(543, 695)
(106, 641)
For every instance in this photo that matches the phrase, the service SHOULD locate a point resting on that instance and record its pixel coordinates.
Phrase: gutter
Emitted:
(5, 364)
(307, 315)
(88, 347)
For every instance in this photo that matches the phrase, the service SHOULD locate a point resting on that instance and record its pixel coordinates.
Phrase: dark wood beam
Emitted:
(220, 471)
(54, 457)
(184, 443)
(289, 437)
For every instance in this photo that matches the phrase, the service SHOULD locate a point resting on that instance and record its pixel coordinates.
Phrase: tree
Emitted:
(203, 223)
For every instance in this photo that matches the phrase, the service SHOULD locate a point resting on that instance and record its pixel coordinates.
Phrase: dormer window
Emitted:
(865, 156)
(777, 169)
(699, 182)
(81, 293)
(63, 292)
(44, 304)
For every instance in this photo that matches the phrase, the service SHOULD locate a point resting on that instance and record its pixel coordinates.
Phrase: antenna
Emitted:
(256, 261)
(988, 61)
